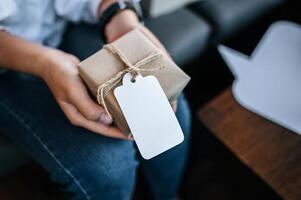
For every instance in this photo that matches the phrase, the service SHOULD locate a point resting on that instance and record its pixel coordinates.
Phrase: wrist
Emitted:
(123, 22)
(44, 62)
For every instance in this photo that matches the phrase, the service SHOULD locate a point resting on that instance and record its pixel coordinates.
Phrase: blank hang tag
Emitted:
(149, 115)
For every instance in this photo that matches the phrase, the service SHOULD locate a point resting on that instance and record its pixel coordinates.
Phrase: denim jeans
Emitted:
(85, 165)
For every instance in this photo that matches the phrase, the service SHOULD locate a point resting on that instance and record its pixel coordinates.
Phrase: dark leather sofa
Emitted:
(186, 33)
(230, 16)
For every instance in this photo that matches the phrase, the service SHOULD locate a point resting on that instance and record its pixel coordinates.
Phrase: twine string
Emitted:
(133, 69)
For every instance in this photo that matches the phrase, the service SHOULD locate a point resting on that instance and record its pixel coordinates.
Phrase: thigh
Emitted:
(86, 165)
(164, 172)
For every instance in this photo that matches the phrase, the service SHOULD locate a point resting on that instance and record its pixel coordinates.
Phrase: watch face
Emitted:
(122, 4)
(137, 6)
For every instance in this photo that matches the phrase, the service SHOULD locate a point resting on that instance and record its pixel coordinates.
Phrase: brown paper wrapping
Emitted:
(102, 66)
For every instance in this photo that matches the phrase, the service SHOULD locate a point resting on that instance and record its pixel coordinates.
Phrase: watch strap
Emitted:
(111, 11)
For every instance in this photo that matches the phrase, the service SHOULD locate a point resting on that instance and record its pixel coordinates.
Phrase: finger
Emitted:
(174, 105)
(77, 119)
(74, 58)
(87, 106)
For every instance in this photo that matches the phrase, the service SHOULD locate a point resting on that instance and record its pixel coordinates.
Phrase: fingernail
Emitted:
(105, 119)
(130, 137)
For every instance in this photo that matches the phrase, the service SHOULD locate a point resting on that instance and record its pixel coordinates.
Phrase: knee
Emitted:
(112, 174)
(108, 173)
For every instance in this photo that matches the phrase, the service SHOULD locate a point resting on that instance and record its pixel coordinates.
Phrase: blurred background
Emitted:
(191, 31)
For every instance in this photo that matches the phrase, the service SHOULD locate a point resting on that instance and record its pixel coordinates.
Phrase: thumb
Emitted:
(87, 106)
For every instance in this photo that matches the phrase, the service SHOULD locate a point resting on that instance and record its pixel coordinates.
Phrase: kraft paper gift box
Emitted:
(135, 46)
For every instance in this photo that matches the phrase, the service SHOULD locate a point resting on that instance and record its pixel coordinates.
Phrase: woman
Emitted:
(58, 123)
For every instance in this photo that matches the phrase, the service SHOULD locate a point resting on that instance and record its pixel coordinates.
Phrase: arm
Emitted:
(59, 71)
(20, 55)
(124, 22)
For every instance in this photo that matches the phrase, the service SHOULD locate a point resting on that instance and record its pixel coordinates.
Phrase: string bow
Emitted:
(133, 69)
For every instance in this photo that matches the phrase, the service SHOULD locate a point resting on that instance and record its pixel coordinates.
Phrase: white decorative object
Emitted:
(269, 81)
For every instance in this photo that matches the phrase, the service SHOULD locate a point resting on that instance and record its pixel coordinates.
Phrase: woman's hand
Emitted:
(61, 74)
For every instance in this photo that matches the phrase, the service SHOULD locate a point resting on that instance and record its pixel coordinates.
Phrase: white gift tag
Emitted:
(149, 115)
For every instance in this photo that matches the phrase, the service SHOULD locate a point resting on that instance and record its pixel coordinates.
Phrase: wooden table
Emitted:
(272, 152)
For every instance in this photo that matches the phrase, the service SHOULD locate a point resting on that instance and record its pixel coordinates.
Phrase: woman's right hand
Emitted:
(60, 72)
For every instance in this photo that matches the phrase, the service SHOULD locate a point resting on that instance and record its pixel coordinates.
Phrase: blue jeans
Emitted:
(85, 165)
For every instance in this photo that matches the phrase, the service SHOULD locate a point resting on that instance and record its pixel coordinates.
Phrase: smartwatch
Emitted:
(112, 10)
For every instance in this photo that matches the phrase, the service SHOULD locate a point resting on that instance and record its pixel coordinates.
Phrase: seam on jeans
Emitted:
(59, 163)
